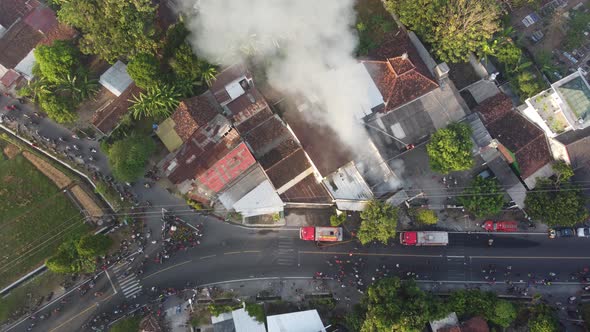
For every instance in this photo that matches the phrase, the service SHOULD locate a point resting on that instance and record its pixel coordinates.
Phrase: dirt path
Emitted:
(87, 202)
(55, 175)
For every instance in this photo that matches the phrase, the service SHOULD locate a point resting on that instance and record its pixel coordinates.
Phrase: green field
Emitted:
(35, 217)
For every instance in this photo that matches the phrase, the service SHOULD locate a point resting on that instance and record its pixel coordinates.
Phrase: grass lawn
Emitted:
(35, 217)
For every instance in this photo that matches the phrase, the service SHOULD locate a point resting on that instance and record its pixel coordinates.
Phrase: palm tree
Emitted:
(208, 73)
(79, 88)
(157, 102)
(39, 88)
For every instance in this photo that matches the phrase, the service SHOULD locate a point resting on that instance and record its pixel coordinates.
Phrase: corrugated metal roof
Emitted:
(301, 321)
(116, 79)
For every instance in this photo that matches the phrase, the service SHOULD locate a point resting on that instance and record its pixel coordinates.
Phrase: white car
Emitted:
(583, 232)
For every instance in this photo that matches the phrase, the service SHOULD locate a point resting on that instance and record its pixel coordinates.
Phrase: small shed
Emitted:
(116, 79)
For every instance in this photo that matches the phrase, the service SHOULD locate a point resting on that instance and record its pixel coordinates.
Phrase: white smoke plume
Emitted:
(308, 46)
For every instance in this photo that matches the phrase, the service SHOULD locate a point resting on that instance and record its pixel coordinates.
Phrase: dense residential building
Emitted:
(24, 24)
(522, 144)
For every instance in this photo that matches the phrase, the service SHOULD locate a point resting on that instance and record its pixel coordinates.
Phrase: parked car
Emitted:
(561, 232)
(583, 232)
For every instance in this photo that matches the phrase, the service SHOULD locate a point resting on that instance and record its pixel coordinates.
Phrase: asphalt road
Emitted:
(230, 252)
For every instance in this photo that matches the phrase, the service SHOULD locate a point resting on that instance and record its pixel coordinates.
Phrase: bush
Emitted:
(127, 157)
(256, 311)
(126, 325)
(194, 204)
(483, 197)
(424, 216)
(218, 309)
(337, 219)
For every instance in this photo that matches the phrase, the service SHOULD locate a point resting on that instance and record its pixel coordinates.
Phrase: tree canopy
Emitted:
(127, 157)
(424, 216)
(111, 29)
(556, 204)
(395, 305)
(61, 83)
(78, 255)
(542, 319)
(449, 149)
(93, 245)
(379, 222)
(453, 27)
(144, 69)
(58, 60)
(483, 197)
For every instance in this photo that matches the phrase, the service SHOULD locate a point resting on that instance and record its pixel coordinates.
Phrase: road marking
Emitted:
(232, 253)
(336, 243)
(94, 306)
(366, 254)
(499, 233)
(530, 257)
(111, 281)
(205, 257)
(251, 251)
(455, 256)
(166, 269)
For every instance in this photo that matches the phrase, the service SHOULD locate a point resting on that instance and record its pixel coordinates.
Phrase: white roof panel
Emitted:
(25, 66)
(116, 79)
(234, 89)
(261, 200)
(244, 323)
(301, 321)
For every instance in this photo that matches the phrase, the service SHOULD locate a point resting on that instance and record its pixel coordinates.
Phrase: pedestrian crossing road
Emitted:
(128, 282)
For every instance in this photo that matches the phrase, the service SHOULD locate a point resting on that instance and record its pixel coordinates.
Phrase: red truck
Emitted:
(500, 226)
(424, 238)
(321, 234)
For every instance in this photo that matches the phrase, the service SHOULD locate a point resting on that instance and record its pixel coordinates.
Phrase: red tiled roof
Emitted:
(307, 190)
(12, 10)
(475, 324)
(288, 168)
(494, 107)
(191, 114)
(193, 160)
(59, 32)
(523, 138)
(242, 108)
(42, 19)
(107, 119)
(262, 138)
(398, 71)
(9, 78)
(254, 121)
(228, 168)
(17, 42)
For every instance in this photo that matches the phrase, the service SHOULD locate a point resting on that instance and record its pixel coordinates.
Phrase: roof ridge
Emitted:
(531, 142)
(287, 156)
